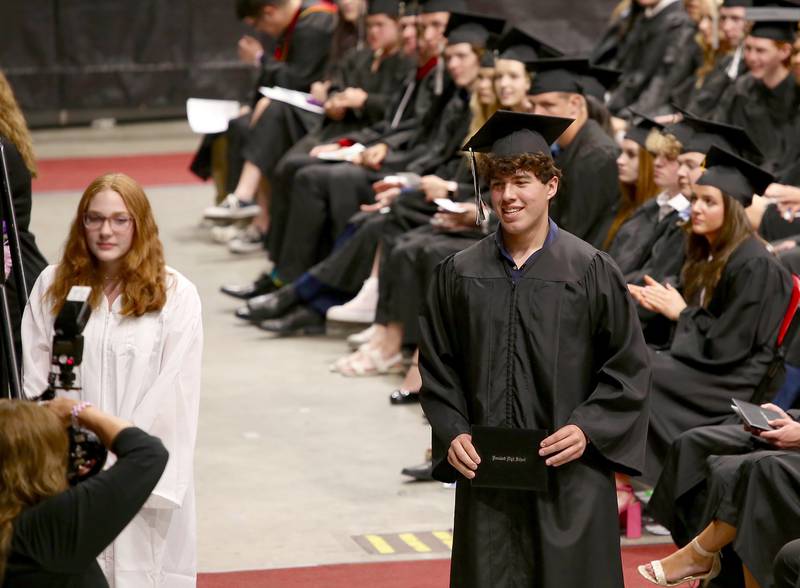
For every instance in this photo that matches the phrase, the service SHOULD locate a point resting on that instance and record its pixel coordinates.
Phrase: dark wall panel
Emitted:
(71, 61)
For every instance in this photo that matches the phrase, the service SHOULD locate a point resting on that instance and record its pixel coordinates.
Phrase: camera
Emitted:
(87, 454)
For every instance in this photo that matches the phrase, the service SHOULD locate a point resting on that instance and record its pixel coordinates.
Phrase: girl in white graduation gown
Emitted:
(141, 362)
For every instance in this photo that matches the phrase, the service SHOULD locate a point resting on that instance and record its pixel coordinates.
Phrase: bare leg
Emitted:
(261, 106)
(263, 196)
(376, 263)
(249, 181)
(412, 382)
(687, 562)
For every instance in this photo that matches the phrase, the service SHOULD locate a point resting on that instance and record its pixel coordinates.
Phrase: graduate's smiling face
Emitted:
(628, 162)
(511, 83)
(521, 201)
(690, 168)
(765, 57)
(109, 227)
(708, 211)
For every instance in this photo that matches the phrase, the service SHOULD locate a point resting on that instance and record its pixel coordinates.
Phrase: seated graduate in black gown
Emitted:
(586, 154)
(725, 487)
(636, 216)
(358, 88)
(726, 315)
(713, 80)
(302, 32)
(765, 102)
(531, 328)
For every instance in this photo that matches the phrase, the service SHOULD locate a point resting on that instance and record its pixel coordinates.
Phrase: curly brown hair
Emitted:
(541, 165)
(144, 270)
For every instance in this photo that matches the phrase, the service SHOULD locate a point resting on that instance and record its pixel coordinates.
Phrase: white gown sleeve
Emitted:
(37, 337)
(169, 410)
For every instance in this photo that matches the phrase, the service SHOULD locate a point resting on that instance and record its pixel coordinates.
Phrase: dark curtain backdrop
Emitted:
(72, 61)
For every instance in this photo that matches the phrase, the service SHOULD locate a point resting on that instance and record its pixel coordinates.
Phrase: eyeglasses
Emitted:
(118, 222)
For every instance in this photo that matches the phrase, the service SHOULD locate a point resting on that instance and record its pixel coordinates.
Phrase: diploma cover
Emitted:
(509, 458)
(753, 415)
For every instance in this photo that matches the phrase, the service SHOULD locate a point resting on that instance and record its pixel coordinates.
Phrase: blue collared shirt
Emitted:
(517, 271)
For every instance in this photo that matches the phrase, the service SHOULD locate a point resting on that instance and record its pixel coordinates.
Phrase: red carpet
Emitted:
(148, 170)
(408, 574)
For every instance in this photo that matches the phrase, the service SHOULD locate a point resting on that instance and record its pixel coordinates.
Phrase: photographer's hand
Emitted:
(62, 406)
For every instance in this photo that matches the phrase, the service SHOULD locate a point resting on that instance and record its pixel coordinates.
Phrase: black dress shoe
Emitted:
(263, 285)
(300, 320)
(401, 396)
(422, 472)
(270, 306)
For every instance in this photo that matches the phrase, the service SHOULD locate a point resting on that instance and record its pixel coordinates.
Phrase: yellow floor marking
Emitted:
(380, 544)
(413, 542)
(444, 537)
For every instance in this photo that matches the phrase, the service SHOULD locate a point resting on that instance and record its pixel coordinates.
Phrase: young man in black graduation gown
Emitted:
(586, 154)
(765, 102)
(532, 328)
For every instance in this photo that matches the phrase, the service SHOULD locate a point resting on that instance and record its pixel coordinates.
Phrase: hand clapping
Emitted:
(658, 298)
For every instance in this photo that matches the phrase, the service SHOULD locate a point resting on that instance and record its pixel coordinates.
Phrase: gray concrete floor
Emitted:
(292, 460)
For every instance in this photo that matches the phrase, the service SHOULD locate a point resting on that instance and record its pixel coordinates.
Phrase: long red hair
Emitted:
(143, 273)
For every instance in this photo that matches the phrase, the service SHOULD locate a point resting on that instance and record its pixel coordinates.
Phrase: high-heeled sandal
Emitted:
(660, 578)
(630, 512)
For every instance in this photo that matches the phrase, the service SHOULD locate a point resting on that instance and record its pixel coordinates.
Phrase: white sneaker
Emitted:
(249, 240)
(360, 309)
(231, 209)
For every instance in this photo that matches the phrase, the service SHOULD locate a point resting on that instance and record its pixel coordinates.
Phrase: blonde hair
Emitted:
(143, 274)
(13, 126)
(663, 144)
(33, 460)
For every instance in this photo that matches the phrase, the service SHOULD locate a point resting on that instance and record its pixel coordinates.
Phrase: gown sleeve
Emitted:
(615, 415)
(441, 396)
(756, 297)
(169, 410)
(37, 338)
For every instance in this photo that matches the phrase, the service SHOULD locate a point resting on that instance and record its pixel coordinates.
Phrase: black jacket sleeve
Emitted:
(67, 532)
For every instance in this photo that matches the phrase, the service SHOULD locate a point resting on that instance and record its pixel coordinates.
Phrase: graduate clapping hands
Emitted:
(658, 298)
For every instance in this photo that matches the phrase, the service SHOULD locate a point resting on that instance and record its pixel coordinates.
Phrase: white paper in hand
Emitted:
(299, 99)
(448, 205)
(343, 154)
(207, 117)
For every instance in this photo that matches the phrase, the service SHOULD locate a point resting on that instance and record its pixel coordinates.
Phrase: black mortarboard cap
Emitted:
(698, 134)
(388, 7)
(571, 74)
(475, 29)
(428, 6)
(508, 133)
(734, 175)
(774, 20)
(736, 3)
(518, 45)
(641, 127)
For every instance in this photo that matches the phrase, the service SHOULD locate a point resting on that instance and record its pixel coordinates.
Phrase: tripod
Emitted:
(10, 384)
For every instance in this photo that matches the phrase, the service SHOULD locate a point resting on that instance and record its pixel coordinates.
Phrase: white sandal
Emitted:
(660, 578)
(378, 365)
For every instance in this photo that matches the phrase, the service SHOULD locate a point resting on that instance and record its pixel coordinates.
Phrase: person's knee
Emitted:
(787, 565)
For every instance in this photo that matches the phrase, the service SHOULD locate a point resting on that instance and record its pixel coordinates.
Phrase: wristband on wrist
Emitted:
(76, 411)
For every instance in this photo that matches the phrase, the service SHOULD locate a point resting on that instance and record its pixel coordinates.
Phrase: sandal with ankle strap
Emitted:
(659, 578)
